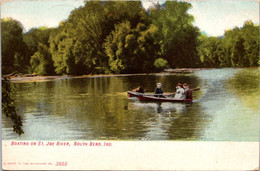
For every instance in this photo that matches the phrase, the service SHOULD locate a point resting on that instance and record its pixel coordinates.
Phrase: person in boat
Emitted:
(180, 92)
(159, 90)
(188, 91)
(139, 89)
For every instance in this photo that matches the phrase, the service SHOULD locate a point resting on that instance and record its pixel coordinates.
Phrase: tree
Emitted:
(238, 48)
(131, 50)
(242, 45)
(250, 34)
(77, 46)
(61, 46)
(37, 40)
(41, 61)
(176, 34)
(209, 51)
(14, 50)
(160, 64)
(35, 36)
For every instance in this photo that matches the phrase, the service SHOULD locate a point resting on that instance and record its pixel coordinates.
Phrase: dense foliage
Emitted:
(238, 48)
(176, 34)
(123, 37)
(13, 48)
(37, 41)
(160, 64)
(8, 108)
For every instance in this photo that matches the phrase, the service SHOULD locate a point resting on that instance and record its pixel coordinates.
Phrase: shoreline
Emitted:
(35, 78)
(24, 79)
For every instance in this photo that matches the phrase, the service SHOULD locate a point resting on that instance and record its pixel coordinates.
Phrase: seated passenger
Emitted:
(158, 90)
(187, 91)
(139, 89)
(180, 93)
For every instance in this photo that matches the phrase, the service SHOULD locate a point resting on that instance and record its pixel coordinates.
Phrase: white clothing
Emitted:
(180, 94)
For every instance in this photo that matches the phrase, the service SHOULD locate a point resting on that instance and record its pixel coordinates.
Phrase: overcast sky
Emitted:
(211, 16)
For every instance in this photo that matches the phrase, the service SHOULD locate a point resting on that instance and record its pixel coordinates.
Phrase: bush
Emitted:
(161, 64)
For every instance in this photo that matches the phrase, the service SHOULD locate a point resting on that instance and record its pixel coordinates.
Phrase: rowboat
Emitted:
(153, 98)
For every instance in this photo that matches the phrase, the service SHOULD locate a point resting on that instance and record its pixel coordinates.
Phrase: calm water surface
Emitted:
(225, 109)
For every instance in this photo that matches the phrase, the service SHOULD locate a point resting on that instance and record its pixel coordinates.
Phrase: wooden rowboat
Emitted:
(153, 98)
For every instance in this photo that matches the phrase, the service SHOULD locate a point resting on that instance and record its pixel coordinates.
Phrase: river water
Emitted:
(224, 109)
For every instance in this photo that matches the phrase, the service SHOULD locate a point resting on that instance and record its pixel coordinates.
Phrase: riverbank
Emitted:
(22, 79)
(19, 78)
(185, 70)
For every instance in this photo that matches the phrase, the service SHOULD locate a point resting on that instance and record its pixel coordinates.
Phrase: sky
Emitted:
(212, 17)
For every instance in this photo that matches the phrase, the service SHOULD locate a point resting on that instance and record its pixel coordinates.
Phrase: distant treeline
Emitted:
(123, 37)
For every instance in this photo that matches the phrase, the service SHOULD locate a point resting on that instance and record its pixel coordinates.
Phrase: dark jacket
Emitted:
(188, 94)
(158, 91)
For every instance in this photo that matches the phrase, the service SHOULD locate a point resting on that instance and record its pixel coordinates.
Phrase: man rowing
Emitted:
(188, 91)
(159, 90)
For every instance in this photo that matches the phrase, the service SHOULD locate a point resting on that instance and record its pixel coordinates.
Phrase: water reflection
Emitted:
(229, 118)
(98, 108)
(172, 121)
(159, 107)
(246, 86)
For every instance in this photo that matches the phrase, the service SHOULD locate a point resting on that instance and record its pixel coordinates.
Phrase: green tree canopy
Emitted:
(37, 40)
(160, 64)
(77, 46)
(176, 34)
(131, 50)
(123, 37)
(239, 47)
(35, 36)
(14, 49)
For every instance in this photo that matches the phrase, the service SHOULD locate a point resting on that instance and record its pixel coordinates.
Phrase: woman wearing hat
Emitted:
(180, 92)
(158, 90)
(188, 92)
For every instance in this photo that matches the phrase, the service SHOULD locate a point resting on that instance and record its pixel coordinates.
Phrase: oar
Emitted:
(194, 89)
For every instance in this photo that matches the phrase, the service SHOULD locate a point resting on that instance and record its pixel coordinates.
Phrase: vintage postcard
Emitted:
(130, 85)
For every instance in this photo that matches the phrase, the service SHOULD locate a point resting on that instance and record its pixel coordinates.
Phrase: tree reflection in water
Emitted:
(172, 121)
(98, 108)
